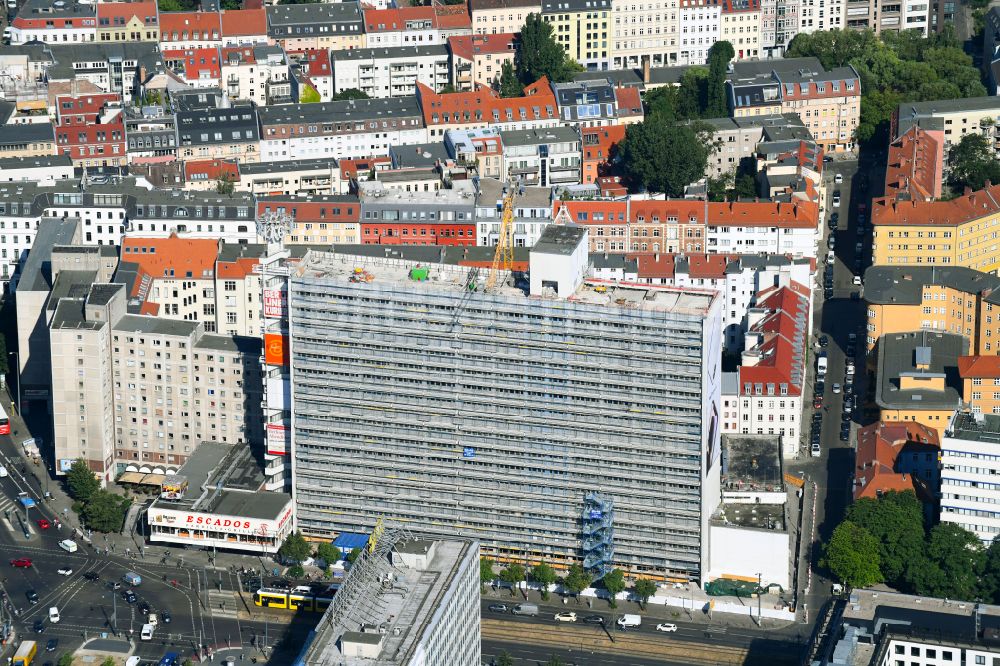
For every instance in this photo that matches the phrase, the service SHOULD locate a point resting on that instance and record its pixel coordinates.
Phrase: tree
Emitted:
(509, 85)
(692, 93)
(554, 661)
(719, 57)
(971, 163)
(65, 660)
(577, 580)
(989, 584)
(446, 89)
(486, 574)
(105, 512)
(719, 188)
(295, 548)
(960, 556)
(503, 659)
(896, 520)
(852, 555)
(513, 575)
(175, 5)
(614, 583)
(353, 556)
(659, 157)
(644, 589)
(230, 5)
(225, 185)
(81, 481)
(309, 95)
(350, 93)
(328, 553)
(540, 55)
(545, 576)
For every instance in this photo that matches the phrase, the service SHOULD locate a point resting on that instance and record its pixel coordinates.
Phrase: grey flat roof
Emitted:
(896, 359)
(559, 239)
(101, 294)
(230, 343)
(262, 505)
(976, 427)
(913, 109)
(155, 325)
(628, 78)
(253, 168)
(751, 461)
(904, 285)
(36, 274)
(44, 161)
(341, 111)
(69, 315)
(529, 137)
(391, 53)
(26, 133)
(70, 284)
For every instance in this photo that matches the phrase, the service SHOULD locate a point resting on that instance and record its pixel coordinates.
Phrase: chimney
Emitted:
(645, 68)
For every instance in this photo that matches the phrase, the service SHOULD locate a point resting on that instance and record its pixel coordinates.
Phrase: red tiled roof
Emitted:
(238, 269)
(965, 208)
(211, 169)
(629, 102)
(193, 62)
(394, 20)
(879, 445)
(243, 54)
(84, 105)
(598, 141)
(484, 105)
(914, 165)
(244, 22)
(192, 258)
(780, 352)
(452, 17)
(469, 46)
(349, 168)
(316, 62)
(979, 366)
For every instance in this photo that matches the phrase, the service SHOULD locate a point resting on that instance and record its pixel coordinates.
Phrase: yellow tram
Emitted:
(294, 600)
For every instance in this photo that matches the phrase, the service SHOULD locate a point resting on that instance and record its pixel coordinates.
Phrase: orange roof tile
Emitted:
(914, 165)
(962, 209)
(316, 62)
(879, 445)
(173, 257)
(194, 62)
(979, 366)
(629, 102)
(598, 141)
(484, 105)
(211, 169)
(452, 17)
(780, 351)
(244, 22)
(469, 46)
(238, 269)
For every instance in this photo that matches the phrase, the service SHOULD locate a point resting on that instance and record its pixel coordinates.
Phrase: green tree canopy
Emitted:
(896, 520)
(81, 481)
(614, 583)
(504, 659)
(719, 57)
(65, 660)
(105, 512)
(539, 54)
(644, 588)
(971, 163)
(295, 549)
(577, 580)
(350, 93)
(353, 556)
(513, 575)
(852, 555)
(486, 573)
(545, 576)
(990, 579)
(661, 157)
(509, 85)
(960, 556)
(328, 553)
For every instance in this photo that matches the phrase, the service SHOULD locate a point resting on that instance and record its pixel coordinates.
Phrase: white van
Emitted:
(147, 632)
(3, 472)
(54, 615)
(68, 545)
(628, 621)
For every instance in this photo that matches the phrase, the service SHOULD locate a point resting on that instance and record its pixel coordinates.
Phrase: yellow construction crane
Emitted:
(503, 258)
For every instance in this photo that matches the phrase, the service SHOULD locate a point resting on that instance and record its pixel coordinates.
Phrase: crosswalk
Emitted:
(223, 604)
(8, 515)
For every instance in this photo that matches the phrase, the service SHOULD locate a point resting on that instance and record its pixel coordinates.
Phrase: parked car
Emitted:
(839, 178)
(565, 617)
(815, 450)
(836, 200)
(824, 341)
(594, 619)
(666, 626)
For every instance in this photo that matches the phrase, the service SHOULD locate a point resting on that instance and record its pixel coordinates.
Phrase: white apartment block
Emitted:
(779, 24)
(797, 240)
(138, 393)
(955, 117)
(259, 74)
(699, 27)
(392, 71)
(644, 29)
(532, 213)
(970, 474)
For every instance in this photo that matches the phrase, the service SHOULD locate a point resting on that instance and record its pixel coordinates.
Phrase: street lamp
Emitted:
(17, 361)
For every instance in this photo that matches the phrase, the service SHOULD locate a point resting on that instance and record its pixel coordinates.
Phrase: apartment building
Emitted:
(317, 219)
(779, 23)
(827, 102)
(52, 22)
(764, 395)
(915, 166)
(112, 67)
(479, 59)
(190, 30)
(969, 467)
(740, 26)
(331, 25)
(897, 456)
(43, 170)
(532, 212)
(244, 27)
(479, 148)
(956, 232)
(699, 27)
(232, 133)
(257, 74)
(485, 108)
(953, 299)
(645, 31)
(339, 424)
(916, 377)
(91, 130)
(415, 25)
(308, 177)
(583, 28)
(397, 217)
(950, 119)
(597, 103)
(980, 383)
(144, 391)
(391, 71)
(597, 145)
(127, 22)
(357, 128)
(30, 140)
(495, 17)
(544, 157)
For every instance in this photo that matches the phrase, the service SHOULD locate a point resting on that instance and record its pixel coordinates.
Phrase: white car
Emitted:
(566, 617)
(856, 280)
(839, 178)
(836, 202)
(836, 388)
(65, 571)
(666, 626)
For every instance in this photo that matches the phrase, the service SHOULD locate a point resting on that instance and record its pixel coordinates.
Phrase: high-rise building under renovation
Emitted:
(548, 416)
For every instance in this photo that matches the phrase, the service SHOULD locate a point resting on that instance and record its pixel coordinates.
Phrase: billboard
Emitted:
(65, 464)
(275, 304)
(275, 349)
(277, 439)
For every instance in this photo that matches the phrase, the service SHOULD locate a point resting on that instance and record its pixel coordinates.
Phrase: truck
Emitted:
(629, 621)
(525, 609)
(132, 578)
(147, 632)
(25, 653)
(68, 545)
(821, 364)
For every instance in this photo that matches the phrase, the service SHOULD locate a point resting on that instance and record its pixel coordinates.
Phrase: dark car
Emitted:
(92, 576)
(32, 596)
(165, 616)
(39, 626)
(824, 341)
(594, 619)
(498, 608)
(845, 432)
(129, 596)
(144, 608)
(52, 645)
(114, 585)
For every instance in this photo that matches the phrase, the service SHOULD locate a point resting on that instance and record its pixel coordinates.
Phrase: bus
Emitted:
(25, 653)
(4, 422)
(268, 597)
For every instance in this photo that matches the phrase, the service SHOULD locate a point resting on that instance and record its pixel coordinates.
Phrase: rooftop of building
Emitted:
(341, 111)
(387, 267)
(944, 618)
(36, 274)
(288, 15)
(417, 155)
(19, 134)
(904, 285)
(375, 192)
(38, 162)
(491, 192)
(878, 447)
(390, 53)
(315, 164)
(760, 516)
(917, 109)
(397, 621)
(752, 463)
(556, 6)
(919, 355)
(225, 479)
(70, 284)
(470, 46)
(540, 136)
(975, 427)
(787, 70)
(486, 5)
(968, 207)
(914, 166)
